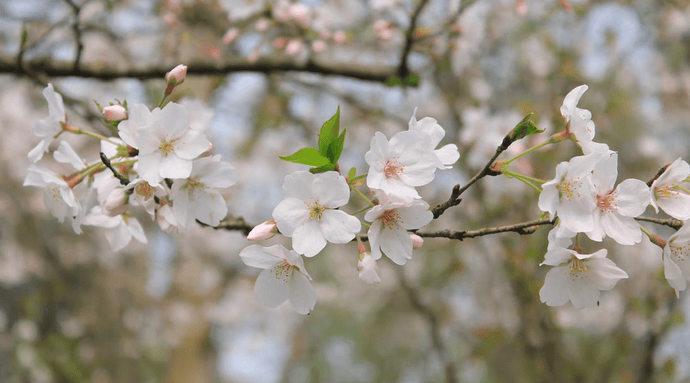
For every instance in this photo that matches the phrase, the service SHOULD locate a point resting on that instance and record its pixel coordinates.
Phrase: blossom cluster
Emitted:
(585, 199)
(156, 163)
(310, 211)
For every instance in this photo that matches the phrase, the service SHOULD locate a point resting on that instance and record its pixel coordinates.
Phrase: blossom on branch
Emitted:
(578, 278)
(284, 277)
(307, 212)
(398, 165)
(49, 127)
(119, 230)
(667, 193)
(445, 156)
(676, 262)
(579, 122)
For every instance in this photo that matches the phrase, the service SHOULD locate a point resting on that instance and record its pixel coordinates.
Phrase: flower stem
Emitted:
(165, 98)
(655, 239)
(77, 130)
(362, 210)
(524, 179)
(530, 150)
(371, 204)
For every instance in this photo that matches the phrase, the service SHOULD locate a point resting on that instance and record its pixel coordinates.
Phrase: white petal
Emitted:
(583, 294)
(307, 239)
(136, 230)
(557, 256)
(415, 216)
(331, 189)
(298, 185)
(624, 230)
(257, 256)
(175, 167)
(396, 244)
(290, 214)
(555, 289)
(448, 155)
(632, 197)
(191, 144)
(338, 226)
(302, 294)
(66, 155)
(605, 273)
(571, 100)
(605, 173)
(677, 206)
(373, 234)
(36, 153)
(271, 287)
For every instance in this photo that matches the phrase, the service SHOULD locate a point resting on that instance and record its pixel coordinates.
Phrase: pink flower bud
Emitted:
(368, 270)
(293, 47)
(318, 46)
(263, 231)
(261, 25)
(176, 76)
(115, 204)
(339, 37)
(417, 241)
(300, 13)
(230, 35)
(114, 113)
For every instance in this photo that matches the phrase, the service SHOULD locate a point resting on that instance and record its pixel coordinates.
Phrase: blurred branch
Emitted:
(378, 73)
(403, 71)
(522, 228)
(76, 29)
(434, 330)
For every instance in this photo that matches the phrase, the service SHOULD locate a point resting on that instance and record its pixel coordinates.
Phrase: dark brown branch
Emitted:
(49, 68)
(522, 228)
(403, 71)
(657, 175)
(434, 328)
(234, 223)
(123, 180)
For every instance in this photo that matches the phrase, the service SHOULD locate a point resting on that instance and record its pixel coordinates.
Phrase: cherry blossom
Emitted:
(390, 222)
(114, 113)
(578, 278)
(139, 116)
(571, 194)
(198, 197)
(398, 165)
(445, 156)
(283, 278)
(368, 270)
(667, 193)
(58, 197)
(48, 128)
(263, 231)
(676, 262)
(167, 146)
(119, 230)
(143, 194)
(307, 212)
(616, 209)
(579, 121)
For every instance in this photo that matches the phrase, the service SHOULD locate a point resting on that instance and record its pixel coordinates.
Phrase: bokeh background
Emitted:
(263, 76)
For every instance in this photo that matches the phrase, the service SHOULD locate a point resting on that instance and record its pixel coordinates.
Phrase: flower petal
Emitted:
(338, 226)
(301, 292)
(271, 287)
(290, 214)
(307, 238)
(555, 289)
(257, 256)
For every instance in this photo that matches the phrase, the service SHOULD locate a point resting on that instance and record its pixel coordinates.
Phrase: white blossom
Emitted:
(578, 278)
(669, 195)
(398, 165)
(167, 145)
(446, 155)
(139, 116)
(58, 197)
(119, 230)
(49, 127)
(616, 209)
(197, 197)
(390, 222)
(283, 278)
(579, 122)
(308, 211)
(368, 270)
(676, 262)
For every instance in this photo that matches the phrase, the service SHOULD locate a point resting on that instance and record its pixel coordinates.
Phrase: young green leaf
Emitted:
(352, 173)
(329, 131)
(335, 148)
(322, 169)
(524, 128)
(307, 156)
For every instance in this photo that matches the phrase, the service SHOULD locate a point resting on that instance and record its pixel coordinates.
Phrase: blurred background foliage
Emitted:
(181, 308)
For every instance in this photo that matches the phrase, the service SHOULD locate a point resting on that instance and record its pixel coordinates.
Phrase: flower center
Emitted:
(145, 190)
(167, 146)
(679, 253)
(282, 270)
(389, 218)
(569, 187)
(606, 202)
(666, 192)
(193, 185)
(578, 269)
(315, 210)
(392, 168)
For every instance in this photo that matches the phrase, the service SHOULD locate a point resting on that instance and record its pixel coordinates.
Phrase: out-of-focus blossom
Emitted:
(318, 46)
(339, 37)
(51, 126)
(230, 35)
(293, 47)
(368, 270)
(114, 113)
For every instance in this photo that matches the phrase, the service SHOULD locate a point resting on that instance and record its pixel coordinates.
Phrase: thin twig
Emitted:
(123, 180)
(670, 222)
(403, 71)
(76, 29)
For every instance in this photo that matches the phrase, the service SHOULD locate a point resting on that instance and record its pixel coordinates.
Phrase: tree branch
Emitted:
(380, 73)
(403, 71)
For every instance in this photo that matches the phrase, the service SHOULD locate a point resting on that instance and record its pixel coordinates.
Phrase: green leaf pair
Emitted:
(330, 147)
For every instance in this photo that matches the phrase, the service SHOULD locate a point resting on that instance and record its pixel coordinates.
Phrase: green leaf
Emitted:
(335, 148)
(523, 129)
(307, 156)
(322, 169)
(329, 131)
(352, 173)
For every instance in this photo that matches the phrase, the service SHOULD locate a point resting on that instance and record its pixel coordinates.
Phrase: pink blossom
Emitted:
(114, 113)
(176, 75)
(318, 46)
(263, 231)
(293, 47)
(339, 37)
(230, 35)
(261, 25)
